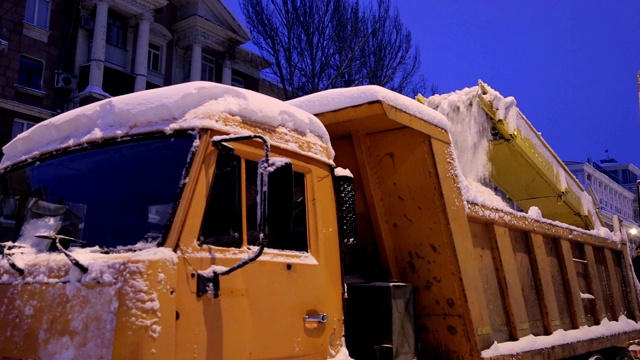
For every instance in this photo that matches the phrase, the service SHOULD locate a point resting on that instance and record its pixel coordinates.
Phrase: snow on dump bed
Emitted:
(471, 136)
(185, 106)
(461, 114)
(335, 99)
(560, 337)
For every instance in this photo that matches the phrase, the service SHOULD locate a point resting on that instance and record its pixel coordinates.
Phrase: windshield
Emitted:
(115, 195)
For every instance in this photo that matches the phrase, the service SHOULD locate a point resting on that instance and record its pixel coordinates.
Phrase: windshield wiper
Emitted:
(3, 251)
(67, 242)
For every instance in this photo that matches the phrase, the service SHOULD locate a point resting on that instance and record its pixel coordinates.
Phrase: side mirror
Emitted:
(275, 196)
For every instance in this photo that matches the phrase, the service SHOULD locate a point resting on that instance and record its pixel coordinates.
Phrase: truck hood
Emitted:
(55, 311)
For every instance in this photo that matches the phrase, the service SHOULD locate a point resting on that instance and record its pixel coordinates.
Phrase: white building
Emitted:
(613, 186)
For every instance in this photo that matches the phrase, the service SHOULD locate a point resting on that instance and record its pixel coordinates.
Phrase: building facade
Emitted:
(56, 55)
(612, 185)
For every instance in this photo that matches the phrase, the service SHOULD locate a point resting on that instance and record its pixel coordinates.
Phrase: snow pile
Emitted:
(342, 354)
(342, 172)
(559, 337)
(335, 99)
(535, 212)
(469, 130)
(270, 255)
(192, 105)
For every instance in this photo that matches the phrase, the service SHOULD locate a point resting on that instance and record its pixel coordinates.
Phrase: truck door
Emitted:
(262, 307)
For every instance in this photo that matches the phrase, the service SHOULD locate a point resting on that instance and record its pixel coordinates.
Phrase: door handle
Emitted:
(312, 321)
(316, 318)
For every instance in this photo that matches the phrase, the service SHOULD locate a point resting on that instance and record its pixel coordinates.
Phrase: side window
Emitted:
(222, 225)
(297, 239)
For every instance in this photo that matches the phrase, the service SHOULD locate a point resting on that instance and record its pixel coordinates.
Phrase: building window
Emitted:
(37, 13)
(117, 32)
(20, 126)
(30, 73)
(154, 59)
(208, 68)
(237, 81)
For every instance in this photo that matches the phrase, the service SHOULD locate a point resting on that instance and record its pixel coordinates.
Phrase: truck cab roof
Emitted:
(193, 105)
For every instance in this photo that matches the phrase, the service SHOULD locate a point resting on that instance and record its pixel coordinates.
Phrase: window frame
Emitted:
(208, 62)
(237, 81)
(35, 18)
(31, 75)
(159, 54)
(26, 125)
(116, 32)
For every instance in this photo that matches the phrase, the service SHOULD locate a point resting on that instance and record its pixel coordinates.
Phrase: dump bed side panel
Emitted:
(404, 222)
(542, 277)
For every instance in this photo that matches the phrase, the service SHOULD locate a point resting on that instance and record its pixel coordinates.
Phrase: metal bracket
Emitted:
(208, 285)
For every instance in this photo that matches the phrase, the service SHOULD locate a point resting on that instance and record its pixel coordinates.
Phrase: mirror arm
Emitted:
(211, 283)
(7, 256)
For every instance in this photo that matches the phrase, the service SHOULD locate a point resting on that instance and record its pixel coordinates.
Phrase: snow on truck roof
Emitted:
(191, 105)
(335, 99)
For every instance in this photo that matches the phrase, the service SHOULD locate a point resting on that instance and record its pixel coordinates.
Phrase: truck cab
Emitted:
(118, 216)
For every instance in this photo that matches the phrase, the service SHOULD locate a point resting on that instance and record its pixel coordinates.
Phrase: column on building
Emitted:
(226, 70)
(142, 51)
(98, 49)
(196, 62)
(82, 47)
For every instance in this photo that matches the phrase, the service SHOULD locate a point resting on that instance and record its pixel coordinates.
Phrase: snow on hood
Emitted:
(190, 105)
(112, 282)
(335, 99)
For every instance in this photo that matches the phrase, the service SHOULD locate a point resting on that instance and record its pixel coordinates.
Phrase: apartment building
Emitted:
(56, 55)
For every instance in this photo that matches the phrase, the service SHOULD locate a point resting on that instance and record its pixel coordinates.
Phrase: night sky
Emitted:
(571, 65)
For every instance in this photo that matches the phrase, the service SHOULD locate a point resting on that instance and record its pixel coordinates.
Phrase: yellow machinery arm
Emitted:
(528, 177)
(528, 170)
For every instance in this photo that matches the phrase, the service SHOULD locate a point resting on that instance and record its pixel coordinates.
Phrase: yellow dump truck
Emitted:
(200, 221)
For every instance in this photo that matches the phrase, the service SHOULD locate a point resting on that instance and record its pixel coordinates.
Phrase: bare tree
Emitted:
(321, 44)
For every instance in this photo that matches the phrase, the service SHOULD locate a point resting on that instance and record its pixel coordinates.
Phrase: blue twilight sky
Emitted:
(571, 64)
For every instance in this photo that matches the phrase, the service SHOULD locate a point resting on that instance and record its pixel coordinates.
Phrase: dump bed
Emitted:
(488, 281)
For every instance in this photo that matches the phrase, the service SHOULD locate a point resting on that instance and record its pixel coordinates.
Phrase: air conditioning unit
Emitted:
(86, 22)
(65, 80)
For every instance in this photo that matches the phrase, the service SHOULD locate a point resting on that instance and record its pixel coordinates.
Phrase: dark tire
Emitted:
(625, 354)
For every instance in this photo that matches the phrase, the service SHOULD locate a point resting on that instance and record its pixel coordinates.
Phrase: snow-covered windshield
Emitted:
(115, 194)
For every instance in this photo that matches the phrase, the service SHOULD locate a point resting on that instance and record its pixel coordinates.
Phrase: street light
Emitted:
(633, 231)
